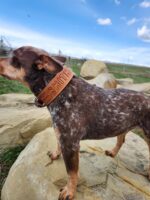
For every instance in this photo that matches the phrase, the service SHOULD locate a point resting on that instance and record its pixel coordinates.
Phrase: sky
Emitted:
(109, 30)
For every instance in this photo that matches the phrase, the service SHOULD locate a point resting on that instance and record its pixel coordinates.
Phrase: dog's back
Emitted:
(109, 113)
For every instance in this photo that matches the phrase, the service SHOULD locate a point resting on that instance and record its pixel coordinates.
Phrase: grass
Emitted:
(137, 79)
(8, 86)
(127, 68)
(76, 70)
(7, 158)
(137, 73)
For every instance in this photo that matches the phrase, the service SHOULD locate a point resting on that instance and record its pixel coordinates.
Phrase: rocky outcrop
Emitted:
(95, 72)
(125, 81)
(104, 80)
(20, 120)
(141, 87)
(101, 177)
(91, 68)
(16, 100)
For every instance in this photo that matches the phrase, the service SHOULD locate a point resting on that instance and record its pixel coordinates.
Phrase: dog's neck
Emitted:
(38, 83)
(55, 86)
(67, 95)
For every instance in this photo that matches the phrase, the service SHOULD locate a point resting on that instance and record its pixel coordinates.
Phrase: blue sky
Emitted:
(112, 30)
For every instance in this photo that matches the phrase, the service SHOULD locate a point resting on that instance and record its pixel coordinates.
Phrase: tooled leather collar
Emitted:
(54, 88)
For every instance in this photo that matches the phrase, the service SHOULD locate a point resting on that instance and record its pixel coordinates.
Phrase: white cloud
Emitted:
(145, 4)
(131, 55)
(117, 2)
(146, 20)
(104, 21)
(131, 21)
(144, 33)
(21, 36)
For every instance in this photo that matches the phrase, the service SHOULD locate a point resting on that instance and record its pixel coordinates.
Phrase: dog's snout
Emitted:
(1, 66)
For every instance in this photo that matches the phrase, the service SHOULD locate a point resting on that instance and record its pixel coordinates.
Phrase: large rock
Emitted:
(16, 100)
(20, 120)
(141, 87)
(125, 81)
(91, 68)
(101, 177)
(104, 80)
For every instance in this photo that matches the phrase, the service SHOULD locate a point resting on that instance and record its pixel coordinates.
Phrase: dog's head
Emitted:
(31, 66)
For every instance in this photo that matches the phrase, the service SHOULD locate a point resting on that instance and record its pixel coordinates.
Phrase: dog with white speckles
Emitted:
(81, 111)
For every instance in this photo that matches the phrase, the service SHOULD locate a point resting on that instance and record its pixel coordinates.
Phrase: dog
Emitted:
(80, 111)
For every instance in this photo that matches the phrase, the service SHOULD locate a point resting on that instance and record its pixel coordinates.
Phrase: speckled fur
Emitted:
(84, 111)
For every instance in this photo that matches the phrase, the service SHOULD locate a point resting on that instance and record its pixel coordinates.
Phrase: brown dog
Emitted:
(81, 111)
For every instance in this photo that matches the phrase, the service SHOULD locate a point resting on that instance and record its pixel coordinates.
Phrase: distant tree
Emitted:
(59, 52)
(5, 47)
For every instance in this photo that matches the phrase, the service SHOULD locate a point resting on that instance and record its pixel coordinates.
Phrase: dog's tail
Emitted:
(145, 122)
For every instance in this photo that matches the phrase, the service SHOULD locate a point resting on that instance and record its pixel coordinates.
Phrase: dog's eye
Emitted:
(34, 66)
(15, 62)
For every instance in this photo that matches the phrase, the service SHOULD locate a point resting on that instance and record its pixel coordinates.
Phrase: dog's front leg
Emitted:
(148, 142)
(149, 161)
(71, 159)
(55, 154)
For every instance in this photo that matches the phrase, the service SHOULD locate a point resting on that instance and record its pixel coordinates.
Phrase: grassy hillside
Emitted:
(128, 68)
(139, 74)
(8, 86)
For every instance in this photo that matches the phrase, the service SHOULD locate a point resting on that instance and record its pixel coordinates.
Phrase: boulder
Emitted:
(141, 87)
(20, 120)
(125, 81)
(91, 68)
(104, 80)
(100, 177)
(16, 100)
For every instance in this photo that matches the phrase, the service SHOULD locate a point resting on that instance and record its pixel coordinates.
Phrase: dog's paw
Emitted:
(53, 155)
(66, 194)
(110, 153)
(149, 175)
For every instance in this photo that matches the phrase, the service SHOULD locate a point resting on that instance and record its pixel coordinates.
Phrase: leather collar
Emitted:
(54, 88)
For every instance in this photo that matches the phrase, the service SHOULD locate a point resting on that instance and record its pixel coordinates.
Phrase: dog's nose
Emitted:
(1, 65)
(1, 70)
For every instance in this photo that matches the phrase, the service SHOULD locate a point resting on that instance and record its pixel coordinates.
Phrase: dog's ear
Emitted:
(48, 63)
(61, 59)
